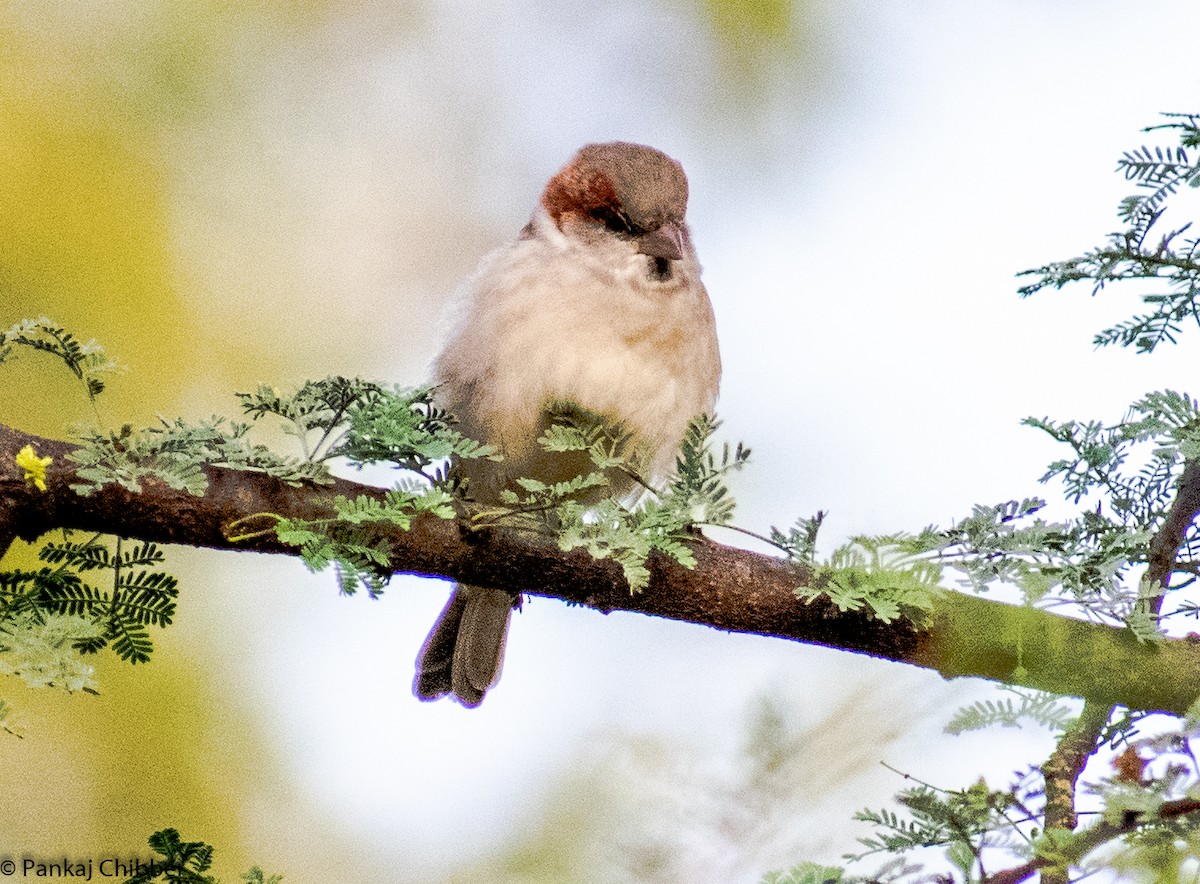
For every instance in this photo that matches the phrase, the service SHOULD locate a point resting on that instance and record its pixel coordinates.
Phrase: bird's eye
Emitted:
(614, 220)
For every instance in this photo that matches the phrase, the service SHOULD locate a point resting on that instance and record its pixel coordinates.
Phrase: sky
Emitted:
(863, 194)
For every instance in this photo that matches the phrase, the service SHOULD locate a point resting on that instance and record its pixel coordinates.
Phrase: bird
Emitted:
(597, 305)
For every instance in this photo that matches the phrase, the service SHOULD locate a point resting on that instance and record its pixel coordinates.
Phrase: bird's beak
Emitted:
(666, 242)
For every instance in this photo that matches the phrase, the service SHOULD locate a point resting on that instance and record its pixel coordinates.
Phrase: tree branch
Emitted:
(729, 589)
(1090, 839)
(1061, 773)
(1164, 548)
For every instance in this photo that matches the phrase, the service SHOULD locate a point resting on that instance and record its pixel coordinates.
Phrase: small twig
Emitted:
(334, 421)
(749, 533)
(1061, 773)
(1089, 840)
(252, 535)
(638, 479)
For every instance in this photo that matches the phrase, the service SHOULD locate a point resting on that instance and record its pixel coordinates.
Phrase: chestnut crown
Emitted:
(631, 189)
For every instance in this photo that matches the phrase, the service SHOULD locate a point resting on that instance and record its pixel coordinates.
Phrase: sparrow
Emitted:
(597, 305)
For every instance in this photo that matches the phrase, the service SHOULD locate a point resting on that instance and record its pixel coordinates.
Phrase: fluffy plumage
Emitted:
(598, 303)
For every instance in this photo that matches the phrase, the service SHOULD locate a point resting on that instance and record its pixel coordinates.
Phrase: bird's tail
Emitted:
(463, 654)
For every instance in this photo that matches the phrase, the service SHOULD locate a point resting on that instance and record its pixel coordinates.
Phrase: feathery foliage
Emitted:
(59, 608)
(799, 542)
(367, 423)
(806, 873)
(1144, 250)
(186, 862)
(662, 520)
(181, 862)
(1033, 707)
(879, 574)
(346, 542)
(364, 423)
(86, 361)
(1126, 477)
(964, 822)
(175, 453)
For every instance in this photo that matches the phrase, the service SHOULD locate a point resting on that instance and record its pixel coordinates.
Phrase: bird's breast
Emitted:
(543, 328)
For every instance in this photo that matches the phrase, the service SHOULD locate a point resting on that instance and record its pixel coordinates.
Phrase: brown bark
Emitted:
(1089, 839)
(1061, 774)
(729, 588)
(1164, 548)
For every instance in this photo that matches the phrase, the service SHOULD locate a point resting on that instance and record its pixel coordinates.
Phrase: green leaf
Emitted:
(129, 640)
(805, 873)
(1033, 707)
(961, 856)
(879, 574)
(182, 862)
(86, 362)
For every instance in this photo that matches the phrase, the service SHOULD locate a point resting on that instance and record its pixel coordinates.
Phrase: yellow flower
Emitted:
(34, 467)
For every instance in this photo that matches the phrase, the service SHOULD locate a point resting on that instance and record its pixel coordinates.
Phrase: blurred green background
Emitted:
(224, 194)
